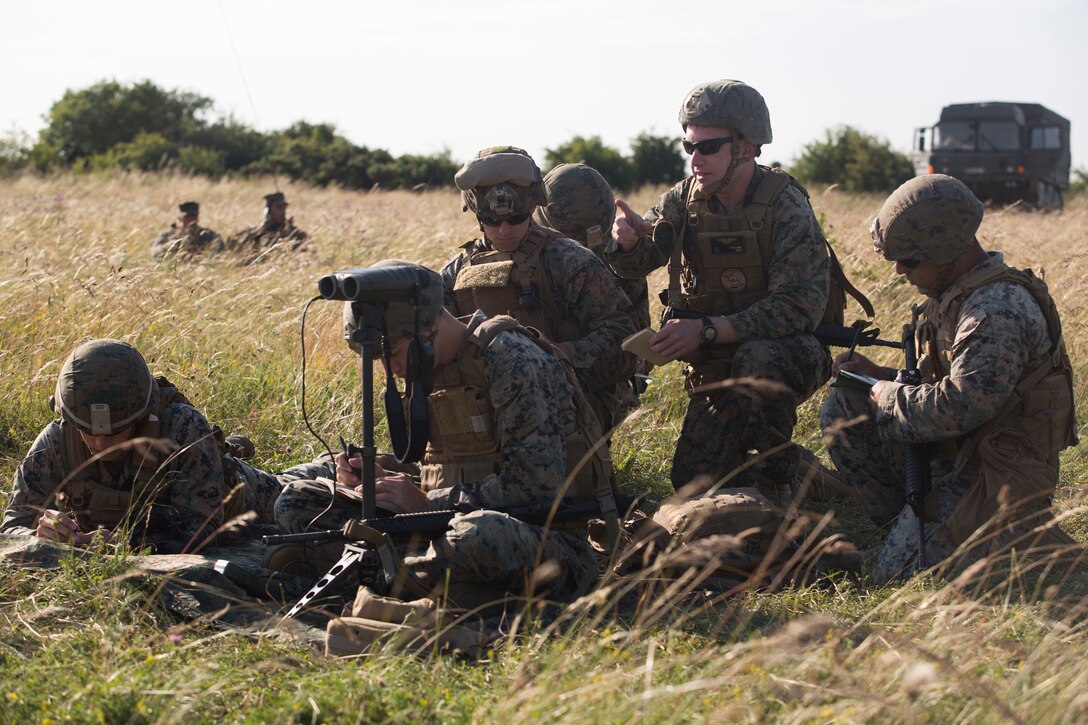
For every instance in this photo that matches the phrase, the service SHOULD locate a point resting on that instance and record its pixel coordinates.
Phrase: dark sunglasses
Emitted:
(708, 147)
(909, 263)
(513, 220)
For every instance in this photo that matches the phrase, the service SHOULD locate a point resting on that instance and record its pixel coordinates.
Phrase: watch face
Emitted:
(710, 333)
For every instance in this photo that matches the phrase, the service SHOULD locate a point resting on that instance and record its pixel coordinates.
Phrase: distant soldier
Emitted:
(748, 283)
(276, 229)
(186, 237)
(995, 404)
(506, 431)
(540, 277)
(88, 478)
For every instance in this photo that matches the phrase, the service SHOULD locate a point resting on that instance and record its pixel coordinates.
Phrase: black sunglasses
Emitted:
(513, 220)
(707, 147)
(909, 263)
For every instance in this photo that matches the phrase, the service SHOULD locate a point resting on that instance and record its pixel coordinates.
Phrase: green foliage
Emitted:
(145, 152)
(656, 160)
(611, 164)
(410, 171)
(14, 154)
(1080, 182)
(92, 121)
(854, 160)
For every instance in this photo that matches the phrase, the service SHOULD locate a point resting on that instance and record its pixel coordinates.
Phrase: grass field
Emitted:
(84, 644)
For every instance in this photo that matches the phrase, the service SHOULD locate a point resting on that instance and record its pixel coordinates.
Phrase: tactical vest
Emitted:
(464, 444)
(513, 283)
(720, 265)
(1041, 406)
(96, 504)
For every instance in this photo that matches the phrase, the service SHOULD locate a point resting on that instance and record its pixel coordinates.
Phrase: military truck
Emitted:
(1005, 152)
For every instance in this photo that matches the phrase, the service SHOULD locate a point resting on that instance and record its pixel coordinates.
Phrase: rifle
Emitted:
(828, 333)
(369, 551)
(916, 458)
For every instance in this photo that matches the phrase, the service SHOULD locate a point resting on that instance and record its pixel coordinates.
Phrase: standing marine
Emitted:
(749, 280)
(186, 237)
(994, 404)
(541, 278)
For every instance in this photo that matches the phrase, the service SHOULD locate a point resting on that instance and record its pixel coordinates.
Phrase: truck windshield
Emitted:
(977, 136)
(955, 137)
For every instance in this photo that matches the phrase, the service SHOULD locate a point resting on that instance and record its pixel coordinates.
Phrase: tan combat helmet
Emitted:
(501, 181)
(930, 218)
(581, 204)
(728, 104)
(104, 387)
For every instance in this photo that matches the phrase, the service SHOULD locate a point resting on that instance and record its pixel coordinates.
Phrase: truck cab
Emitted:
(1004, 152)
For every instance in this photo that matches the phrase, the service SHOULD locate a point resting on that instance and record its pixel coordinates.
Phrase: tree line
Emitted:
(143, 127)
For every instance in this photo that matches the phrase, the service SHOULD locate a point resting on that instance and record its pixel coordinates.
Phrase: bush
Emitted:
(14, 154)
(854, 160)
(611, 164)
(1079, 183)
(656, 160)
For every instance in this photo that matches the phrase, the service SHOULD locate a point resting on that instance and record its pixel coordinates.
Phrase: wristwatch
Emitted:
(709, 333)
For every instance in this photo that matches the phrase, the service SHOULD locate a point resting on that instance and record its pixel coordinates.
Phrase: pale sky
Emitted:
(418, 77)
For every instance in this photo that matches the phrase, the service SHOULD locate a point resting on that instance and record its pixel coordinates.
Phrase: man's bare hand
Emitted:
(349, 473)
(629, 226)
(857, 363)
(400, 494)
(56, 526)
(678, 338)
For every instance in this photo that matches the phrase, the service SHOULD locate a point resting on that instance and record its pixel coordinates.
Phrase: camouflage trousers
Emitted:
(263, 488)
(747, 413)
(873, 466)
(482, 548)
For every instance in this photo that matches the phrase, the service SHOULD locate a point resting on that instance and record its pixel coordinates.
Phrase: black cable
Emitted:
(302, 336)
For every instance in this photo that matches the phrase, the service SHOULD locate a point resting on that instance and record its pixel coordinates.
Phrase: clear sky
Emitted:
(421, 76)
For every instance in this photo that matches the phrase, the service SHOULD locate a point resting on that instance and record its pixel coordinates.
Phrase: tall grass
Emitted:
(88, 643)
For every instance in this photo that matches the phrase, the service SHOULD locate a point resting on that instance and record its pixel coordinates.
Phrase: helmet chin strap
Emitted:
(706, 192)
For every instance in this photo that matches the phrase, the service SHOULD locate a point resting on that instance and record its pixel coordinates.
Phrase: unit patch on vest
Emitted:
(733, 280)
(727, 244)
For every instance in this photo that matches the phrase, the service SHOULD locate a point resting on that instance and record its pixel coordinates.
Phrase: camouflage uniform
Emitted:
(189, 488)
(592, 315)
(774, 347)
(257, 240)
(996, 387)
(531, 399)
(186, 242)
(1000, 333)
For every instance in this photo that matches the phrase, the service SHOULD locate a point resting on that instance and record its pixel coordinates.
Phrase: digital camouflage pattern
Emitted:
(531, 398)
(192, 481)
(258, 240)
(586, 295)
(582, 206)
(186, 243)
(774, 344)
(728, 104)
(999, 334)
(930, 218)
(104, 387)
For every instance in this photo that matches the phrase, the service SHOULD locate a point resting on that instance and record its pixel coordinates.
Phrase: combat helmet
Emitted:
(104, 387)
(581, 204)
(930, 218)
(728, 104)
(501, 181)
(400, 317)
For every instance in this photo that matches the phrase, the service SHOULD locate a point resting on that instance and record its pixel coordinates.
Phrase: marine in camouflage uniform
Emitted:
(502, 428)
(171, 495)
(996, 382)
(541, 278)
(275, 230)
(749, 275)
(189, 238)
